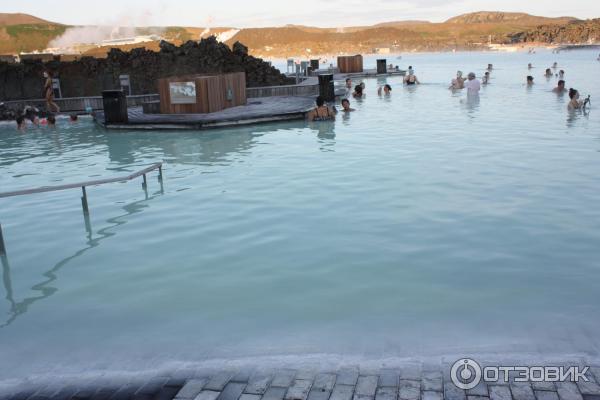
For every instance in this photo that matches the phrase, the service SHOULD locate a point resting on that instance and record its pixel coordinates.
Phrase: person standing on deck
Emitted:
(49, 93)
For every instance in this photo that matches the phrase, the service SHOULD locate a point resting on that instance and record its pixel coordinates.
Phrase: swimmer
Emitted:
(20, 123)
(529, 66)
(486, 78)
(473, 85)
(348, 84)
(411, 78)
(458, 82)
(560, 87)
(358, 91)
(321, 112)
(575, 103)
(529, 80)
(51, 121)
(73, 118)
(561, 74)
(346, 106)
(387, 89)
(555, 65)
(490, 67)
(548, 73)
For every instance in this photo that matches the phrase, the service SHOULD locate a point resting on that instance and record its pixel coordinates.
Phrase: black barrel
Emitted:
(382, 66)
(115, 107)
(326, 88)
(314, 64)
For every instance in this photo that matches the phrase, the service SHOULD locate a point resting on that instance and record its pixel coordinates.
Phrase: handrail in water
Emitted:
(82, 185)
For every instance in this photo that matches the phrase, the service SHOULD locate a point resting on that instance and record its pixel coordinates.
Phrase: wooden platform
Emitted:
(260, 110)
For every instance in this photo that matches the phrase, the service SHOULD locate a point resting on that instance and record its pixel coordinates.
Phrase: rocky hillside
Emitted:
(497, 17)
(22, 33)
(575, 32)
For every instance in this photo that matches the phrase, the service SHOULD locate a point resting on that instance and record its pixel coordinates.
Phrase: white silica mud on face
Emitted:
(422, 225)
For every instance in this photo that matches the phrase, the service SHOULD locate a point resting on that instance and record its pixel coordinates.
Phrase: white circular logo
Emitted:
(465, 373)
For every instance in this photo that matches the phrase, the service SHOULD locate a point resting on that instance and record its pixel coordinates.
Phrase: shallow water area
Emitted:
(422, 224)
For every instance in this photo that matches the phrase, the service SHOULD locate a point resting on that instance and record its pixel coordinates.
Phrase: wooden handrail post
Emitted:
(84, 202)
(145, 183)
(160, 177)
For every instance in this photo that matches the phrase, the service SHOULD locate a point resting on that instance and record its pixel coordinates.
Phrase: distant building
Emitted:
(381, 50)
(130, 40)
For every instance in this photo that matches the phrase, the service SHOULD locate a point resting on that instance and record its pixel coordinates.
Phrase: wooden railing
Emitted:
(82, 185)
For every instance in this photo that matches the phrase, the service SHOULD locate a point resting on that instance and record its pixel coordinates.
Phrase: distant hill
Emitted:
(7, 19)
(498, 17)
(575, 32)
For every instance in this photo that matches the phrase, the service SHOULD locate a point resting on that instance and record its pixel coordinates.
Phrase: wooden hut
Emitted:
(350, 64)
(200, 94)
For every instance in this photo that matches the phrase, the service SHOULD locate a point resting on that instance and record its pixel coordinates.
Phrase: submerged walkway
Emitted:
(410, 382)
(264, 109)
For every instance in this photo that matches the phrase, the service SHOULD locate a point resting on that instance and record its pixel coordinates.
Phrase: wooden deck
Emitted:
(260, 110)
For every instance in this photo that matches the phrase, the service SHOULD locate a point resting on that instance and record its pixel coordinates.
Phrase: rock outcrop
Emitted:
(90, 76)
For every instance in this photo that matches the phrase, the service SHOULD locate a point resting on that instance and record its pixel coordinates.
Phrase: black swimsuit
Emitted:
(321, 118)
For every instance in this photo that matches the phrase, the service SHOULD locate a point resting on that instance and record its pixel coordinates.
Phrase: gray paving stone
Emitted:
(595, 371)
(568, 391)
(324, 382)
(588, 388)
(411, 372)
(207, 395)
(274, 393)
(258, 384)
(125, 392)
(545, 395)
(480, 390)
(283, 378)
(232, 391)
(477, 398)
(307, 374)
(347, 376)
(522, 391)
(389, 377)
(386, 393)
(191, 389)
(318, 394)
(241, 376)
(247, 396)
(106, 394)
(409, 389)
(218, 381)
(499, 392)
(153, 386)
(299, 390)
(591, 397)
(451, 392)
(543, 386)
(342, 392)
(431, 381)
(366, 385)
(430, 395)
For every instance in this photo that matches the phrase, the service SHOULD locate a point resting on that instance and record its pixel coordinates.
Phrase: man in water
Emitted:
(20, 123)
(358, 92)
(348, 84)
(561, 74)
(490, 67)
(560, 88)
(472, 85)
(486, 78)
(529, 66)
(458, 82)
(529, 80)
(548, 73)
(387, 89)
(346, 106)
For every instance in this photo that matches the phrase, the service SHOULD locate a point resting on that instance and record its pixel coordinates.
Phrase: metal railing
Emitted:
(82, 185)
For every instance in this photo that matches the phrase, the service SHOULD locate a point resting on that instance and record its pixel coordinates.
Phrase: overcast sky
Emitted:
(255, 13)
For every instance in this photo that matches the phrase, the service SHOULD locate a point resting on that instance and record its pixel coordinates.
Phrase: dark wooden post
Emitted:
(84, 202)
(2, 246)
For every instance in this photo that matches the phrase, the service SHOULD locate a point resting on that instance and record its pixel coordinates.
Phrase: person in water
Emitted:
(529, 66)
(486, 78)
(529, 80)
(387, 89)
(358, 92)
(458, 82)
(560, 87)
(490, 67)
(473, 85)
(548, 73)
(49, 93)
(20, 123)
(51, 120)
(73, 118)
(575, 103)
(411, 78)
(322, 112)
(555, 65)
(346, 106)
(348, 84)
(561, 74)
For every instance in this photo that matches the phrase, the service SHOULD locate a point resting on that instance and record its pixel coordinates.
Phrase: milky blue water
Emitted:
(422, 224)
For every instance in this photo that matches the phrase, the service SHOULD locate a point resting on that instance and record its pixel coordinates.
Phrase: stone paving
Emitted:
(413, 382)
